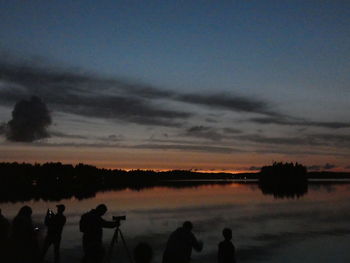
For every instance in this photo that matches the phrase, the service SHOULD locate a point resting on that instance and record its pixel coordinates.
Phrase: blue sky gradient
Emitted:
(285, 63)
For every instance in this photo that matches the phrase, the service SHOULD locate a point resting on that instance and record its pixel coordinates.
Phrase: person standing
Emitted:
(4, 236)
(92, 224)
(24, 237)
(54, 224)
(180, 244)
(226, 252)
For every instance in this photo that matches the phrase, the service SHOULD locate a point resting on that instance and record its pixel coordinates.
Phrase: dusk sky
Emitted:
(208, 85)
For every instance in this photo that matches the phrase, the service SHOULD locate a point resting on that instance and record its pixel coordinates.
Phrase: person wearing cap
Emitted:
(180, 243)
(92, 224)
(54, 223)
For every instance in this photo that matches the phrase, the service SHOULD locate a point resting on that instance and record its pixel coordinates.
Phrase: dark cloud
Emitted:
(211, 133)
(204, 132)
(339, 140)
(231, 131)
(314, 167)
(284, 120)
(229, 102)
(114, 138)
(273, 140)
(342, 141)
(88, 95)
(68, 136)
(326, 166)
(30, 119)
(254, 168)
(329, 166)
(187, 147)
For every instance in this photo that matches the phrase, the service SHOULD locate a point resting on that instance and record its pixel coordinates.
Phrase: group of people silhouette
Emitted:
(19, 241)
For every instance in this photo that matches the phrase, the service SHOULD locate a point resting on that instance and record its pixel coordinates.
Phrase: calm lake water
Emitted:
(313, 228)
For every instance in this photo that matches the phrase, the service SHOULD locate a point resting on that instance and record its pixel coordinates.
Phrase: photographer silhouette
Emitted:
(92, 224)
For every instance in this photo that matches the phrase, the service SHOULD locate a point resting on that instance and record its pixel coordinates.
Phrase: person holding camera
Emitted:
(91, 225)
(54, 223)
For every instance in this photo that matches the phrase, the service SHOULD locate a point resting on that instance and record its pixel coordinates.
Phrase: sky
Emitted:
(203, 85)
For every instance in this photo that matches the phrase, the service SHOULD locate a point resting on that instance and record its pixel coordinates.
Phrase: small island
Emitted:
(284, 180)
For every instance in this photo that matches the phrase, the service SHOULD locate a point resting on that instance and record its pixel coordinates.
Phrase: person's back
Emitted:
(93, 231)
(4, 236)
(4, 228)
(25, 245)
(180, 244)
(91, 225)
(22, 227)
(226, 251)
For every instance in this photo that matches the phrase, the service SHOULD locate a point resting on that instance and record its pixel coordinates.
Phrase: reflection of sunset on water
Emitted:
(153, 213)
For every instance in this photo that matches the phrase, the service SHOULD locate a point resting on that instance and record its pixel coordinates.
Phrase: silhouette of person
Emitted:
(180, 244)
(54, 224)
(226, 252)
(92, 224)
(143, 253)
(4, 236)
(24, 238)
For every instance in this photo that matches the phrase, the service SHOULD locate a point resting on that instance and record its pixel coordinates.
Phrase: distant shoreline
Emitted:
(56, 181)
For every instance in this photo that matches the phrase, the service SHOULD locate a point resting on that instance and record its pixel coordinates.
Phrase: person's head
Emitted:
(143, 253)
(60, 208)
(187, 225)
(227, 233)
(25, 211)
(101, 209)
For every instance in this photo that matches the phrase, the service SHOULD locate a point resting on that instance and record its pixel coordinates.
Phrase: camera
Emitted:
(119, 218)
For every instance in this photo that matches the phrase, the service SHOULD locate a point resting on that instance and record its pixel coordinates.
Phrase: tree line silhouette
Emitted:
(55, 181)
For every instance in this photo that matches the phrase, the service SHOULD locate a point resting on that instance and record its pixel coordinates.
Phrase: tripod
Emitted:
(116, 234)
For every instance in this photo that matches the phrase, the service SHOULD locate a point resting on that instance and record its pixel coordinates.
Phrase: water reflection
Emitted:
(284, 190)
(265, 229)
(58, 194)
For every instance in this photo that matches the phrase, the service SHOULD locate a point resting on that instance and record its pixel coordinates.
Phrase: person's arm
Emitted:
(47, 218)
(197, 245)
(220, 254)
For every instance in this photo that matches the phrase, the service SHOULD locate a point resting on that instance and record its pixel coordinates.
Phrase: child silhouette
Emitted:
(226, 253)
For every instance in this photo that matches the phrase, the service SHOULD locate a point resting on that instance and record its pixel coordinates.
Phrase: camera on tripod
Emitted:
(119, 218)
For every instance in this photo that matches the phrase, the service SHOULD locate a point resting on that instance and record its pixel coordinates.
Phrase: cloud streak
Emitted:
(87, 95)
(229, 102)
(108, 98)
(290, 121)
